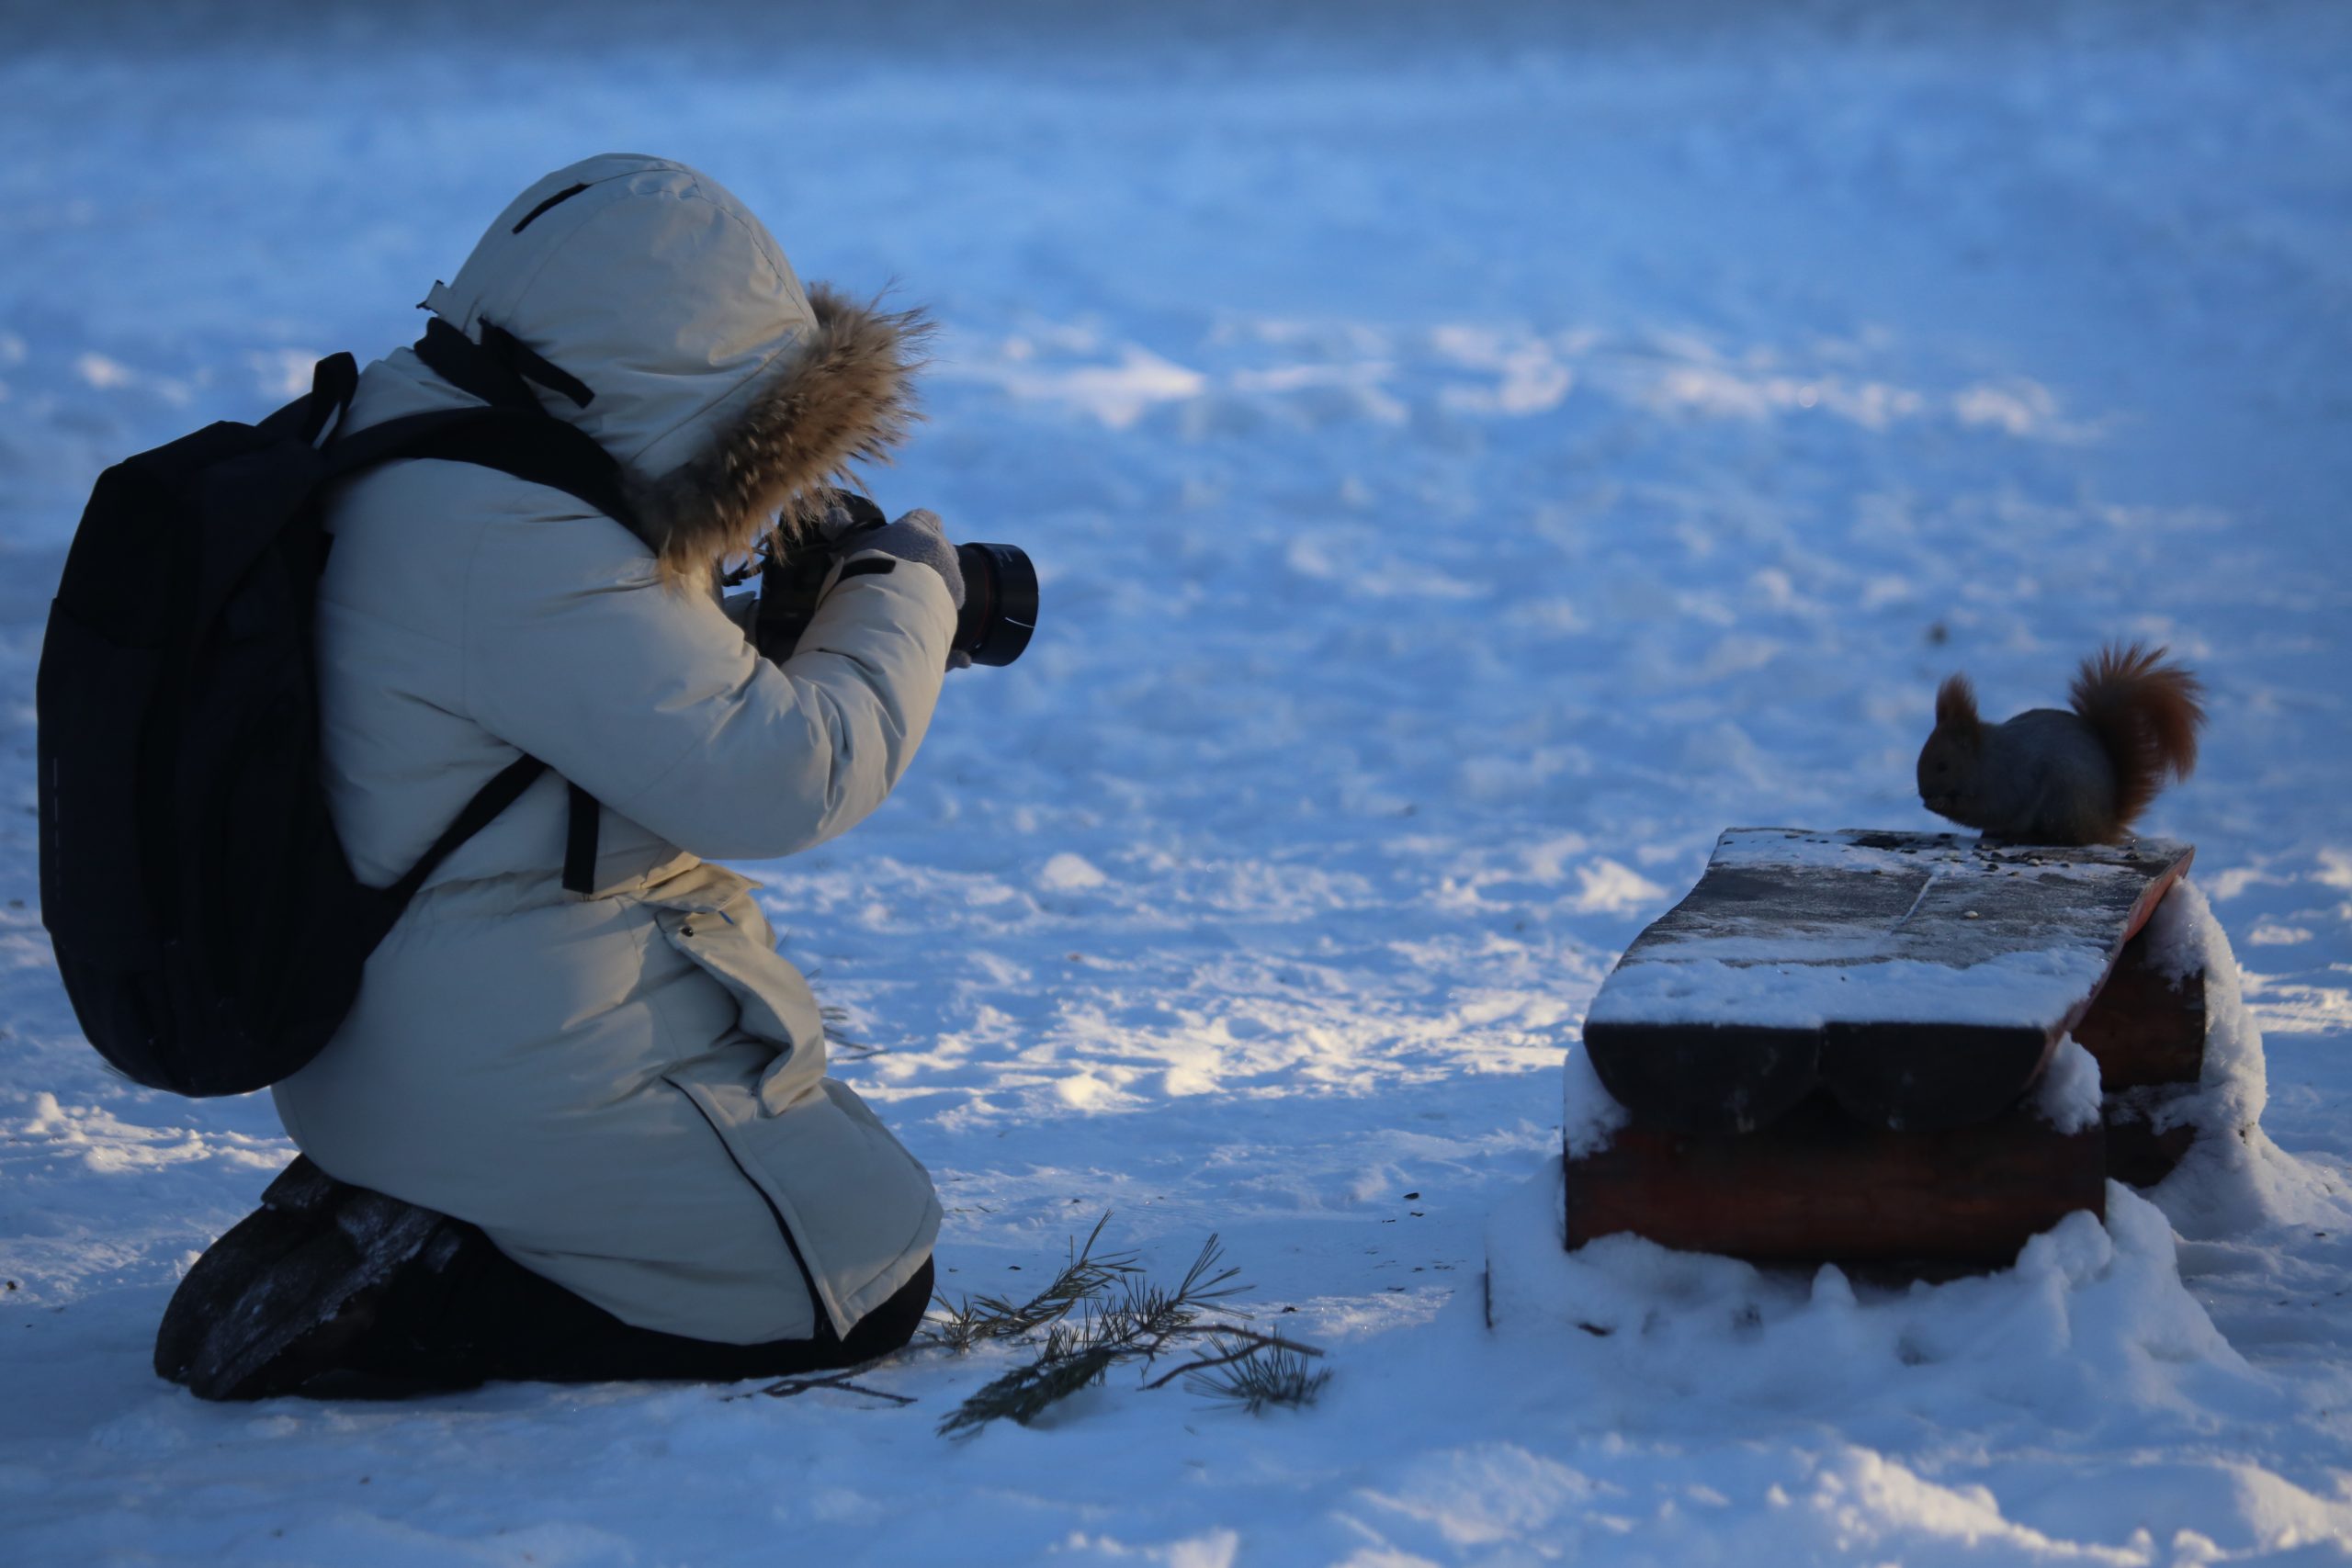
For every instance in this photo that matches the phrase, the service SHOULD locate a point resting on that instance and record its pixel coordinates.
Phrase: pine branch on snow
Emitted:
(1141, 1322)
(1258, 1374)
(1085, 1278)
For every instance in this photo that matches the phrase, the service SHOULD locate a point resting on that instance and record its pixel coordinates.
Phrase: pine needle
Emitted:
(1071, 1363)
(838, 1043)
(1259, 1373)
(1085, 1278)
(843, 1381)
(1138, 1324)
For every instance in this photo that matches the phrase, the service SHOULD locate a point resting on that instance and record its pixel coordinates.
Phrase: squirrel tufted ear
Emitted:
(1956, 706)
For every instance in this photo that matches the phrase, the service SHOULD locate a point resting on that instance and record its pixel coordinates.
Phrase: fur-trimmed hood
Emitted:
(727, 390)
(842, 394)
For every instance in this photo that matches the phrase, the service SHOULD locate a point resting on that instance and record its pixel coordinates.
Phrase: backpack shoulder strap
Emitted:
(533, 447)
(538, 449)
(504, 788)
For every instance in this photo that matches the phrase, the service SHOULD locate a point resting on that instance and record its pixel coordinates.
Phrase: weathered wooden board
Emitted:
(2147, 1032)
(1819, 1185)
(2146, 1027)
(1922, 979)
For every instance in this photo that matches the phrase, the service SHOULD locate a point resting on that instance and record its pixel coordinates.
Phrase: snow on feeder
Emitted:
(1888, 1049)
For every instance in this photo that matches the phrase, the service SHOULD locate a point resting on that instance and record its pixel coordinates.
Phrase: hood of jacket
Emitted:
(727, 390)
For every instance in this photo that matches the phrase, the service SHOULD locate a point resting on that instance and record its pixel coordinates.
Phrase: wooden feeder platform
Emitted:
(1826, 1051)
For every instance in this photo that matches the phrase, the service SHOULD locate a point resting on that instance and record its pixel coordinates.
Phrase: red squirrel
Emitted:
(2049, 777)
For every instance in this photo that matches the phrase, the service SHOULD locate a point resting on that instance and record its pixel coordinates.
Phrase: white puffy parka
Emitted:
(627, 1091)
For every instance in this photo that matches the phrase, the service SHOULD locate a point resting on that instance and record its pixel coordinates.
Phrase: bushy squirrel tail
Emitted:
(2147, 713)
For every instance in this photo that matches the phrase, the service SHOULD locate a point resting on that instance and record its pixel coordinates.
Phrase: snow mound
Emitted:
(2234, 1180)
(1589, 1113)
(2090, 1320)
(2067, 1097)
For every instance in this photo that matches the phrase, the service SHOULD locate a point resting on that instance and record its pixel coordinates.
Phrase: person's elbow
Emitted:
(822, 782)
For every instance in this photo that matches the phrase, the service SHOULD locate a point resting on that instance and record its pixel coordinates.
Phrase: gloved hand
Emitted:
(845, 513)
(918, 536)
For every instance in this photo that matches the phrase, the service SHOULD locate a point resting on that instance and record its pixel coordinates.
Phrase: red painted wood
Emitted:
(2145, 1028)
(1818, 1185)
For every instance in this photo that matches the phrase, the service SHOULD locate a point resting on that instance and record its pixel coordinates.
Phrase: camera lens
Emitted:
(999, 602)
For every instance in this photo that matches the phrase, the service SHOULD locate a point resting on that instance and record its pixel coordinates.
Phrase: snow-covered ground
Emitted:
(1475, 456)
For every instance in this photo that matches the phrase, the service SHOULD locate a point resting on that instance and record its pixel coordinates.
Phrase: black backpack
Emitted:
(206, 921)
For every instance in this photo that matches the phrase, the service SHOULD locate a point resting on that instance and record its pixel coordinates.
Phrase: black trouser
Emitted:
(484, 1316)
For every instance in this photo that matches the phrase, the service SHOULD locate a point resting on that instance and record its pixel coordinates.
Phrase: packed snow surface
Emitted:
(1473, 456)
(1822, 984)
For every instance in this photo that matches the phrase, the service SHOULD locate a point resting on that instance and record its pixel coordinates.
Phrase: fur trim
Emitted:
(845, 395)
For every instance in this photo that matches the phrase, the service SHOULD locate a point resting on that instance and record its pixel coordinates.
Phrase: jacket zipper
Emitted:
(826, 1333)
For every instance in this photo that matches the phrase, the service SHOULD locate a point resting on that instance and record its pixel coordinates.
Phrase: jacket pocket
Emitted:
(708, 914)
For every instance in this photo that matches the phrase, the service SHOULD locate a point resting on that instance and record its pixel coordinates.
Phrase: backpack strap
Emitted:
(503, 789)
(466, 365)
(579, 843)
(533, 445)
(334, 380)
(496, 369)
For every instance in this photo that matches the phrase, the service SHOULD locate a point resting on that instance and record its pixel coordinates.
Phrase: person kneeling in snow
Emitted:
(566, 1137)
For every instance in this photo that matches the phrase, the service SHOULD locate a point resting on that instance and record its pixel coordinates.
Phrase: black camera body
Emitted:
(998, 617)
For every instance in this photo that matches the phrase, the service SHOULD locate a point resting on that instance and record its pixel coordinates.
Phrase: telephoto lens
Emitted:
(999, 610)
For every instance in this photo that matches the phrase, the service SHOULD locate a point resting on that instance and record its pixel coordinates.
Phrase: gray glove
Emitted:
(917, 537)
(845, 513)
